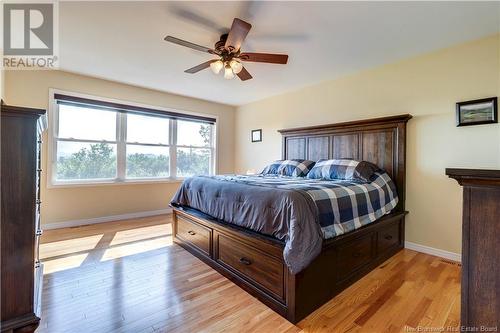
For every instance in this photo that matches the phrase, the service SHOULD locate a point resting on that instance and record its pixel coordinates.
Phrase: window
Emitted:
(194, 142)
(102, 142)
(147, 149)
(86, 144)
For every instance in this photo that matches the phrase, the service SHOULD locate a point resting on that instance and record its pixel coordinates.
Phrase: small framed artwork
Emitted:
(257, 135)
(477, 112)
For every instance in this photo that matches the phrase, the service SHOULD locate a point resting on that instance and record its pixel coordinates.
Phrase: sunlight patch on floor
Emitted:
(139, 234)
(135, 248)
(61, 264)
(64, 247)
(67, 253)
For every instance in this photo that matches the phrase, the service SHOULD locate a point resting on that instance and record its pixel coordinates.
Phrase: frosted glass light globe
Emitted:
(236, 66)
(216, 66)
(228, 72)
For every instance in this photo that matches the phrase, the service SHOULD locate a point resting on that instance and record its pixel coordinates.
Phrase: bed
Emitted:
(262, 261)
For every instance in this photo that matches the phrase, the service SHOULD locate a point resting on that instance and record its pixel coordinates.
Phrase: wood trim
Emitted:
(10, 110)
(464, 309)
(476, 177)
(26, 323)
(348, 124)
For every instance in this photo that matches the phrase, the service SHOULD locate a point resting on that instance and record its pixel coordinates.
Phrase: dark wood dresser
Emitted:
(21, 271)
(480, 247)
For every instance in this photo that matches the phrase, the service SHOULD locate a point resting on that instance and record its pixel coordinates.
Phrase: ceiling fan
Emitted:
(227, 49)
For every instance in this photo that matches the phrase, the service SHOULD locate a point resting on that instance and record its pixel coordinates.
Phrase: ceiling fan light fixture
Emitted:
(216, 66)
(228, 54)
(236, 66)
(228, 72)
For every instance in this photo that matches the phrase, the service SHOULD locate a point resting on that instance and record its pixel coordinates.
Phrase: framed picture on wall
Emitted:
(477, 112)
(257, 135)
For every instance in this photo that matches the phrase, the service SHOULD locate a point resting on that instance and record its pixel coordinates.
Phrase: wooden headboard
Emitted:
(381, 141)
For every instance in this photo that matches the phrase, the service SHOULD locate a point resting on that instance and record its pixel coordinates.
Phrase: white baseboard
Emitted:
(103, 219)
(433, 251)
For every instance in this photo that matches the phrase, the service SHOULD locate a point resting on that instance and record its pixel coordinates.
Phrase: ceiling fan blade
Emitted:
(191, 15)
(200, 67)
(244, 75)
(188, 44)
(239, 30)
(265, 57)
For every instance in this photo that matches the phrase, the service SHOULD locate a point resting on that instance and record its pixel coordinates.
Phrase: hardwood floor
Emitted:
(128, 276)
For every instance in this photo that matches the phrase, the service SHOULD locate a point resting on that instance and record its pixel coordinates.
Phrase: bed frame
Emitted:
(255, 262)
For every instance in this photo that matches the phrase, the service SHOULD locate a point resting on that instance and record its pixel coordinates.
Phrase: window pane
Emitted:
(147, 161)
(77, 160)
(193, 161)
(146, 129)
(191, 133)
(86, 123)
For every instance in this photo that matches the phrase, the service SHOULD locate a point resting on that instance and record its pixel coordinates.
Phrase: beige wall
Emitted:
(31, 88)
(427, 87)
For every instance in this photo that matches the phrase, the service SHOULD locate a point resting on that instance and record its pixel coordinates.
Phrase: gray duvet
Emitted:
(285, 214)
(299, 211)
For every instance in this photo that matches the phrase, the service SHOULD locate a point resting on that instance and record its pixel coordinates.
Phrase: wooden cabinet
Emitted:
(480, 247)
(21, 271)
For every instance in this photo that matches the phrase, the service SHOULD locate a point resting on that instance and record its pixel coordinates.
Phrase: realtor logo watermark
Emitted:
(30, 35)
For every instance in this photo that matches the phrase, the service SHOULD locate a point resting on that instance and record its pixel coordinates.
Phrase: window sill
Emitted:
(113, 183)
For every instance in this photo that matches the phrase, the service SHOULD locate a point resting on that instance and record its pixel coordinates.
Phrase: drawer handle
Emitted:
(356, 254)
(245, 261)
(192, 233)
(388, 237)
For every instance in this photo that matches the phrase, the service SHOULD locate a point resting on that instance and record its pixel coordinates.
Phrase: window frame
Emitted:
(121, 143)
(122, 167)
(174, 147)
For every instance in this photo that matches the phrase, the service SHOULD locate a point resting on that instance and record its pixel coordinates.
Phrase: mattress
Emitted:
(299, 211)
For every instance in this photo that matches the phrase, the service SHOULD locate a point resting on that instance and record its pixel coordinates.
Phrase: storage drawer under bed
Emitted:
(253, 264)
(355, 254)
(388, 238)
(194, 234)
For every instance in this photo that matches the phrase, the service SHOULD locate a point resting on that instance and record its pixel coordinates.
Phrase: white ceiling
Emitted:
(123, 41)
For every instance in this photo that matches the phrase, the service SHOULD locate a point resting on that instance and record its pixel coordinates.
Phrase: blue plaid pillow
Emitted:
(293, 168)
(272, 169)
(343, 169)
